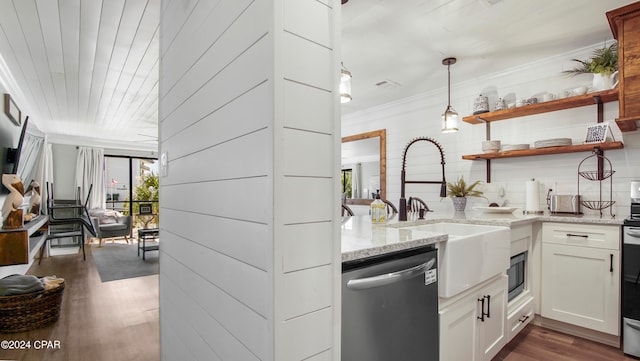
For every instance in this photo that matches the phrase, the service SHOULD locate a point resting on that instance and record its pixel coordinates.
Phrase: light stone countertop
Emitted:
(362, 239)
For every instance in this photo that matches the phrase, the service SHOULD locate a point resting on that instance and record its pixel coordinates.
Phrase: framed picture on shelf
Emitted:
(597, 133)
(11, 110)
(146, 208)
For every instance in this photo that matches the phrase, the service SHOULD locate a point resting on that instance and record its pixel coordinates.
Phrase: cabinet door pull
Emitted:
(488, 305)
(611, 263)
(523, 318)
(577, 235)
(481, 317)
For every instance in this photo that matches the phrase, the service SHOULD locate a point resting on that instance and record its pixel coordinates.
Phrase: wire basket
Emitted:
(594, 176)
(20, 313)
(597, 205)
(604, 171)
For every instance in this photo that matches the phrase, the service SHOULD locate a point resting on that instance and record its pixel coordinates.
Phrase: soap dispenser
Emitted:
(378, 211)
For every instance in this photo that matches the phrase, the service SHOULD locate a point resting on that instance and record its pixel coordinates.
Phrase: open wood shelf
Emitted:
(545, 107)
(545, 151)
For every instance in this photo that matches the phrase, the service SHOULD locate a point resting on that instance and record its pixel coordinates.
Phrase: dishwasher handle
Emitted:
(389, 278)
(632, 323)
(633, 232)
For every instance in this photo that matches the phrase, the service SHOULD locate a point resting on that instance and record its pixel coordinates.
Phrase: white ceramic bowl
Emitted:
(491, 146)
(579, 90)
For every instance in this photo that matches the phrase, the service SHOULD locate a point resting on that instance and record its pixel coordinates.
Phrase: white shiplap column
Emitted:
(249, 124)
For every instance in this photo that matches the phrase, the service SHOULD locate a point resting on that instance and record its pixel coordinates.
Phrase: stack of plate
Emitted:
(508, 147)
(491, 146)
(557, 142)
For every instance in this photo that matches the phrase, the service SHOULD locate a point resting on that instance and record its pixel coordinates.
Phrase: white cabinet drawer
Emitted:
(586, 235)
(520, 317)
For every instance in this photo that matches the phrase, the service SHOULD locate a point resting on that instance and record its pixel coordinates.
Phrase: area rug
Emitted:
(119, 261)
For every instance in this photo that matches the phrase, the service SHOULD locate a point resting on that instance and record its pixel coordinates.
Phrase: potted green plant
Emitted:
(459, 191)
(603, 64)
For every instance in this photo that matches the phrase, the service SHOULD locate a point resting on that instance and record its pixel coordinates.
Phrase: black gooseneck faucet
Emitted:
(402, 214)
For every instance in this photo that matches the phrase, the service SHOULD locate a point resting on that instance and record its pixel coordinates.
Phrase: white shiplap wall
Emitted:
(249, 122)
(421, 116)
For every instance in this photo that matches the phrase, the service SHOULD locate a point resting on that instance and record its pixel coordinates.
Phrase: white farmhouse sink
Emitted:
(473, 253)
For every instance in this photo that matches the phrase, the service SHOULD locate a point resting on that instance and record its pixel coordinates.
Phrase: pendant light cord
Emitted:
(448, 86)
(448, 62)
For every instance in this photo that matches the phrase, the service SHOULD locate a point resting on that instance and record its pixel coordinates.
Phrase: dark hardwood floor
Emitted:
(540, 344)
(117, 320)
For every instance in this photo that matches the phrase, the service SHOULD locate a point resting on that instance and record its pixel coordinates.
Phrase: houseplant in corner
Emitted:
(459, 191)
(603, 64)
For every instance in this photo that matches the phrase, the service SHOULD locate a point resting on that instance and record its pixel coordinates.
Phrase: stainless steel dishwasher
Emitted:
(390, 307)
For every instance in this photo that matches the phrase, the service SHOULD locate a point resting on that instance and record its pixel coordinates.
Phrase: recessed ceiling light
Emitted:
(387, 83)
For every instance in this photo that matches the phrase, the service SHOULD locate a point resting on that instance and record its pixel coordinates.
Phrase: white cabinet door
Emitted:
(471, 332)
(458, 330)
(580, 286)
(492, 335)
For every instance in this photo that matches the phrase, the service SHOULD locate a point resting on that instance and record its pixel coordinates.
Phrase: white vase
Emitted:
(604, 81)
(459, 203)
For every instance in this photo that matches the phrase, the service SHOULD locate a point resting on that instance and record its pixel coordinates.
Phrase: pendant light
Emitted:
(345, 85)
(449, 117)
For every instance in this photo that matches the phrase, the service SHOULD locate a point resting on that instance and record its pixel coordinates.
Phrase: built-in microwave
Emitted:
(517, 274)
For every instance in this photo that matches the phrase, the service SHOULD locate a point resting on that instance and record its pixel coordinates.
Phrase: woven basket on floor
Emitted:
(30, 311)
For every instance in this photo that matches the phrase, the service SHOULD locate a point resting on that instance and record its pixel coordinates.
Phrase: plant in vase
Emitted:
(459, 191)
(603, 64)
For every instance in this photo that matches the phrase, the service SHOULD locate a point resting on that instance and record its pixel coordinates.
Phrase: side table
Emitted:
(145, 234)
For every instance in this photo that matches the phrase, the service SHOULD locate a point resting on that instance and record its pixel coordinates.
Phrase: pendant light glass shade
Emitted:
(345, 85)
(449, 117)
(449, 120)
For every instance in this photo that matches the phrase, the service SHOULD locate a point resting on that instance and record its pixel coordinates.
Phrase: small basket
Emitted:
(20, 313)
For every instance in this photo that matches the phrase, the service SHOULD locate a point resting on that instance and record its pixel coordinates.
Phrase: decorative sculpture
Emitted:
(34, 188)
(11, 211)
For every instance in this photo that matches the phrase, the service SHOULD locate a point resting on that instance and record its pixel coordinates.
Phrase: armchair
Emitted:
(112, 227)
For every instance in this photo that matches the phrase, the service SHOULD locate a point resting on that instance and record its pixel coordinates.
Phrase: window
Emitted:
(346, 182)
(131, 182)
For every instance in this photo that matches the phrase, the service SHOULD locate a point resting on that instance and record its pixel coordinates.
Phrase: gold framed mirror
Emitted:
(364, 145)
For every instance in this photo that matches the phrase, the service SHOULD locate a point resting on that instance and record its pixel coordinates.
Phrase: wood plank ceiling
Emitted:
(86, 71)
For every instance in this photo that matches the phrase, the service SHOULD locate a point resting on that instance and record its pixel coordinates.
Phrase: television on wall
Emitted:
(15, 153)
(23, 159)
